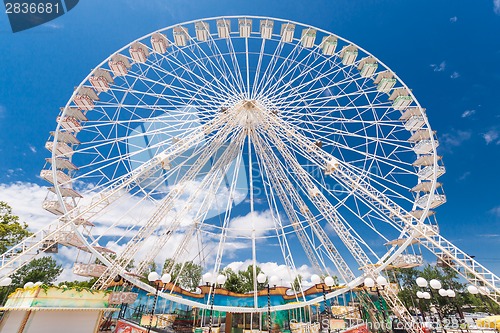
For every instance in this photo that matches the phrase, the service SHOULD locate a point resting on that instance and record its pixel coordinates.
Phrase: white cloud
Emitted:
(455, 138)
(464, 176)
(263, 222)
(26, 202)
(491, 136)
(32, 148)
(453, 19)
(439, 68)
(280, 270)
(468, 113)
(455, 75)
(495, 211)
(496, 6)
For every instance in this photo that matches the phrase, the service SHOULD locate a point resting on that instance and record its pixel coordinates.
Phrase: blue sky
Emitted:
(448, 53)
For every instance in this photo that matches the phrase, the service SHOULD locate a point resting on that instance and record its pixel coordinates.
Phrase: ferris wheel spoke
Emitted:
(210, 184)
(211, 84)
(277, 74)
(281, 183)
(165, 206)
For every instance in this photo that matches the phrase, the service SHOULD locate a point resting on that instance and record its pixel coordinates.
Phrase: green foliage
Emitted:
(450, 280)
(11, 230)
(44, 269)
(187, 274)
(297, 282)
(242, 282)
(78, 284)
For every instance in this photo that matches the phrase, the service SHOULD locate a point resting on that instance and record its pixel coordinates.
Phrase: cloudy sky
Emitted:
(448, 54)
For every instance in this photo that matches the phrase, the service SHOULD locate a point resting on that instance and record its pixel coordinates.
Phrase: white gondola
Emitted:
(119, 65)
(349, 54)
(223, 28)
(62, 163)
(421, 135)
(66, 192)
(69, 238)
(89, 270)
(101, 80)
(385, 81)
(62, 178)
(159, 43)
(70, 124)
(329, 45)
(266, 29)
(406, 260)
(75, 113)
(425, 187)
(367, 66)
(202, 30)
(415, 123)
(308, 37)
(287, 31)
(424, 147)
(55, 207)
(413, 118)
(245, 27)
(401, 99)
(61, 148)
(428, 172)
(103, 249)
(426, 160)
(181, 35)
(65, 137)
(427, 229)
(419, 213)
(85, 98)
(139, 52)
(81, 221)
(437, 200)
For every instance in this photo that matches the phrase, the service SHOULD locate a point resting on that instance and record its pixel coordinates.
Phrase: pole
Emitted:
(438, 309)
(153, 309)
(214, 287)
(326, 307)
(269, 323)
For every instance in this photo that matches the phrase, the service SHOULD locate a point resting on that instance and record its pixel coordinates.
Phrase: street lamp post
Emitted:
(155, 278)
(374, 286)
(436, 285)
(329, 282)
(273, 280)
(220, 280)
(481, 291)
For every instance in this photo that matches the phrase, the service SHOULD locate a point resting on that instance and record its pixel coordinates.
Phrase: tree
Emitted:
(44, 269)
(242, 282)
(187, 274)
(11, 230)
(296, 284)
(449, 279)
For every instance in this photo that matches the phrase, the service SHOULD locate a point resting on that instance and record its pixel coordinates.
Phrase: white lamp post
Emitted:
(219, 280)
(436, 285)
(152, 278)
(329, 282)
(378, 284)
(5, 282)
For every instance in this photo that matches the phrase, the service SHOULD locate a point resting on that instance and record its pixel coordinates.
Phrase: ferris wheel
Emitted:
(245, 138)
